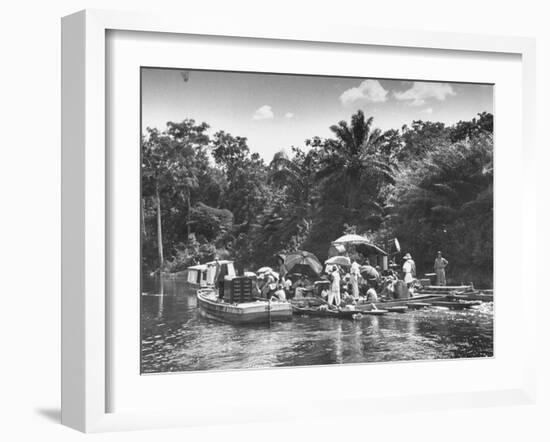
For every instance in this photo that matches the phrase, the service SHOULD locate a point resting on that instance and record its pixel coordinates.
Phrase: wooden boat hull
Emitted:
(397, 309)
(377, 312)
(475, 296)
(259, 312)
(343, 314)
(399, 302)
(418, 305)
(455, 305)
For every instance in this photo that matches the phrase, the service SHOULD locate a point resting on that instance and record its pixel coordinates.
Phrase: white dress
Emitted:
(407, 269)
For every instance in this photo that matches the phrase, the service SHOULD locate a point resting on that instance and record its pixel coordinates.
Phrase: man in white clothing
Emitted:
(334, 294)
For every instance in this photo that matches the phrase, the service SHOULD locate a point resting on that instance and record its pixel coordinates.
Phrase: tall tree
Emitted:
(356, 163)
(156, 177)
(190, 142)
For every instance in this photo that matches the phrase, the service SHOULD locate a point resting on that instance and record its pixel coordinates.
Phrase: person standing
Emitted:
(334, 294)
(439, 269)
(354, 278)
(221, 272)
(409, 269)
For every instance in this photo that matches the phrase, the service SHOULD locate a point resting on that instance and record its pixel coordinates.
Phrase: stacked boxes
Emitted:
(240, 291)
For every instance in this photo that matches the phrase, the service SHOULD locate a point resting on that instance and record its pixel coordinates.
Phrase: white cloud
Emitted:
(428, 110)
(289, 115)
(368, 90)
(422, 91)
(263, 113)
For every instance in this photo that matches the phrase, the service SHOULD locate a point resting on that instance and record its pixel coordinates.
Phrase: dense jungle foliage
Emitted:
(427, 184)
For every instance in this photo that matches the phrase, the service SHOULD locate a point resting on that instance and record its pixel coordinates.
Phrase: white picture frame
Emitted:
(85, 203)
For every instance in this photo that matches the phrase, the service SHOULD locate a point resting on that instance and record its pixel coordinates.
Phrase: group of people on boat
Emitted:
(341, 285)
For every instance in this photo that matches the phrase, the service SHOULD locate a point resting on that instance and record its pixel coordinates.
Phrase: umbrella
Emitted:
(369, 272)
(264, 270)
(339, 260)
(362, 244)
(302, 262)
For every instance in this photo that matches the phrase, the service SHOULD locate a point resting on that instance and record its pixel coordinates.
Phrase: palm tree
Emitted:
(357, 161)
(296, 174)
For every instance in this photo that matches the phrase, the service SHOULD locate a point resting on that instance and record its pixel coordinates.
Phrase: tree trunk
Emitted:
(188, 214)
(159, 229)
(143, 229)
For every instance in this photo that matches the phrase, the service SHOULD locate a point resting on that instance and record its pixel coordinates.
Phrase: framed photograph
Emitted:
(254, 212)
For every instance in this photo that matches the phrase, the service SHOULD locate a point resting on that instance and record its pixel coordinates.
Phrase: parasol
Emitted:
(302, 262)
(339, 260)
(361, 243)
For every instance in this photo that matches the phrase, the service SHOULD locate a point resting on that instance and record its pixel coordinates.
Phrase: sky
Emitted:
(277, 111)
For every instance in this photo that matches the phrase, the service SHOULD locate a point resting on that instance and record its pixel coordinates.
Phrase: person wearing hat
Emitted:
(409, 269)
(439, 269)
(334, 293)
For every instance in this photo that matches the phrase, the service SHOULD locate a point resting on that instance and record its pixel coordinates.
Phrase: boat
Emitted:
(418, 305)
(398, 309)
(387, 304)
(374, 311)
(474, 296)
(455, 305)
(329, 313)
(252, 312)
(464, 292)
(197, 275)
(203, 274)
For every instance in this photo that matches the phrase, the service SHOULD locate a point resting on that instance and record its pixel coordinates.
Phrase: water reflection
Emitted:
(176, 338)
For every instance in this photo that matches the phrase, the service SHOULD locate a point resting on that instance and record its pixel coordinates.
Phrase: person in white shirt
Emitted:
(409, 269)
(439, 268)
(372, 296)
(334, 294)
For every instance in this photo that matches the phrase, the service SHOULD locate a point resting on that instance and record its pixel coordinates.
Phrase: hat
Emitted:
(407, 256)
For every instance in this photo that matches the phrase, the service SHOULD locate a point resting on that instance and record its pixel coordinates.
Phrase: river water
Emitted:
(175, 337)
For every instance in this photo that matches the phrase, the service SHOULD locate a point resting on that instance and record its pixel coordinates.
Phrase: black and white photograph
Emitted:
(305, 220)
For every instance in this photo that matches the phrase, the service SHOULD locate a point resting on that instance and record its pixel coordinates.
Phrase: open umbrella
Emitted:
(369, 272)
(264, 270)
(339, 260)
(361, 243)
(303, 262)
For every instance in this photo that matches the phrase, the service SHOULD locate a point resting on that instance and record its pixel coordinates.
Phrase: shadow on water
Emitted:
(175, 337)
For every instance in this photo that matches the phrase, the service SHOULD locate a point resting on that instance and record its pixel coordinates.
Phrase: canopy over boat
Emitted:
(198, 267)
(229, 270)
(197, 274)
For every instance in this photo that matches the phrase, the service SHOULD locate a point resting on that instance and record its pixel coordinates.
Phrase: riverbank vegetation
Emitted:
(428, 184)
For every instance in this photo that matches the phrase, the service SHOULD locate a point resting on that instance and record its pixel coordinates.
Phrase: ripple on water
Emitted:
(176, 338)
